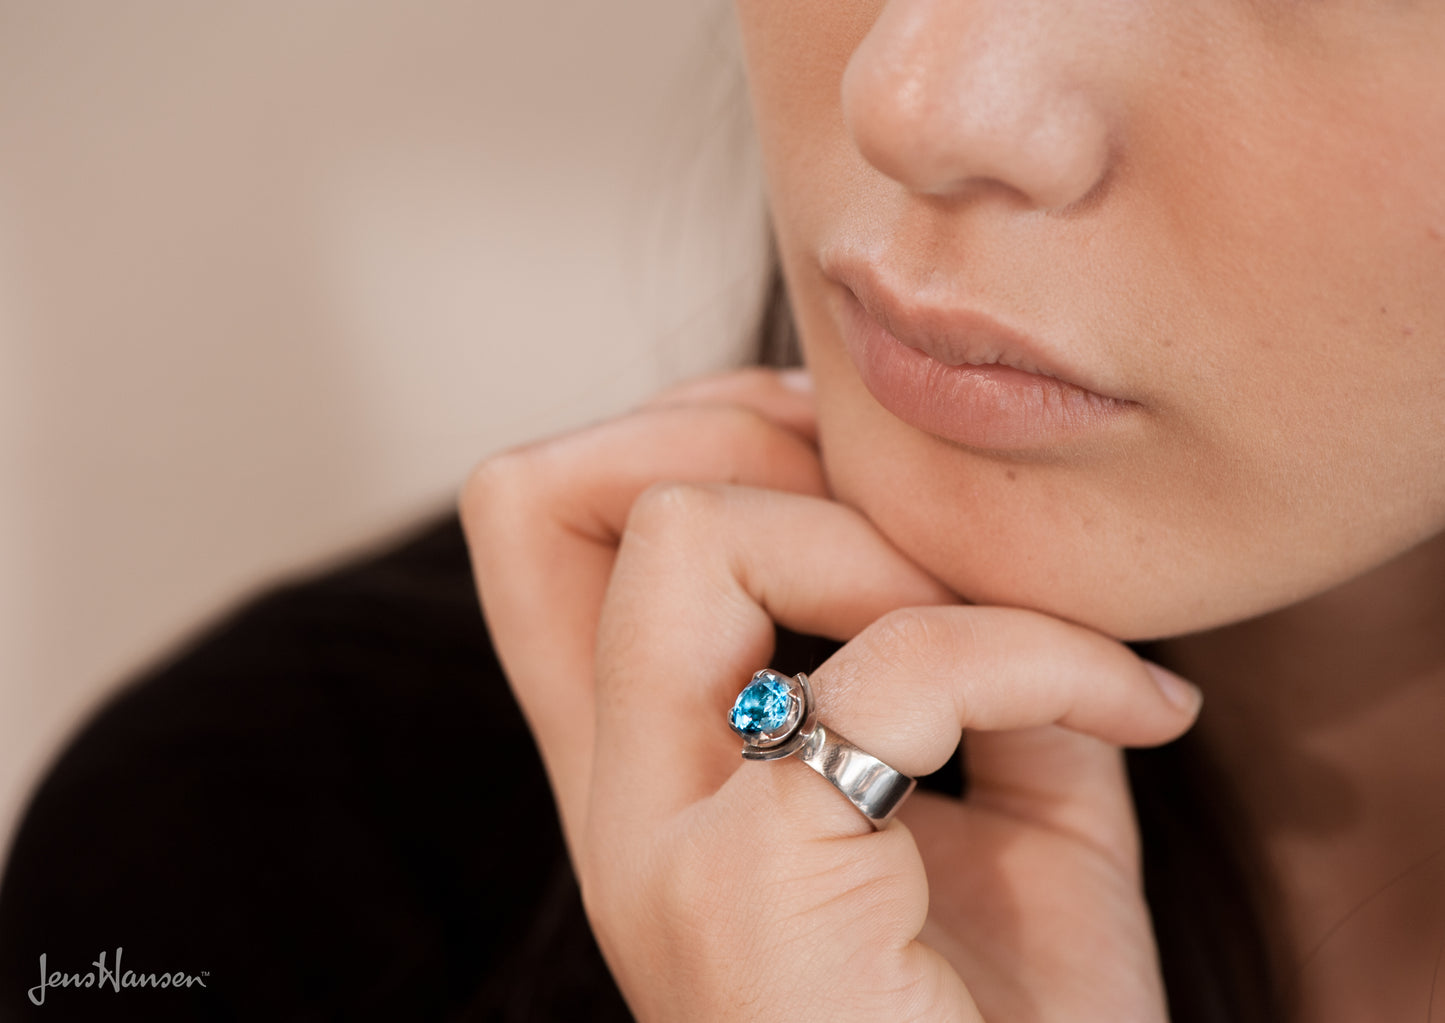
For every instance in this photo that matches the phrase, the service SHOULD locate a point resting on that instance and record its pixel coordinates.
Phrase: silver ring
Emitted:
(774, 715)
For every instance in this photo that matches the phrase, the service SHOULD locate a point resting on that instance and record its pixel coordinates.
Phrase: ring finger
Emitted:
(704, 572)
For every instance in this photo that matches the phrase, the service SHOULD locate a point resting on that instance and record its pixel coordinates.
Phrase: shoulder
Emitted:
(319, 674)
(304, 802)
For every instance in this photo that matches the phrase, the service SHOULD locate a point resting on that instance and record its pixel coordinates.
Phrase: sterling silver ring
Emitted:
(774, 715)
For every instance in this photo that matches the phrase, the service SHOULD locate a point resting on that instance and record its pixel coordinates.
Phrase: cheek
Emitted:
(1297, 428)
(1199, 522)
(1056, 540)
(1136, 551)
(796, 52)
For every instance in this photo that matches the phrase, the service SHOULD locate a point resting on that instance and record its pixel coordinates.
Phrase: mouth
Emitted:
(961, 376)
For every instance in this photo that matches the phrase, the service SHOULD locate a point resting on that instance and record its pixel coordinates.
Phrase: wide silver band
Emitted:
(868, 783)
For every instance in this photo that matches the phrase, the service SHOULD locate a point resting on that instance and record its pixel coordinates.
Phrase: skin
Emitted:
(726, 890)
(1259, 263)
(1229, 214)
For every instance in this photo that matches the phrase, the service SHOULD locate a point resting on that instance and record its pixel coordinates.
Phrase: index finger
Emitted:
(704, 572)
(784, 396)
(542, 525)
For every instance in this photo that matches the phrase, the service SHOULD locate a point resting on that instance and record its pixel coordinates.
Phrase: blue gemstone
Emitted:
(761, 707)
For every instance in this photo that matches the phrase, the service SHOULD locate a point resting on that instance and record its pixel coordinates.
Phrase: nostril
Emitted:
(968, 111)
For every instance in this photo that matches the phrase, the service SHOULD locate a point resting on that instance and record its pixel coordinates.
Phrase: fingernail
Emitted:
(1184, 695)
(798, 379)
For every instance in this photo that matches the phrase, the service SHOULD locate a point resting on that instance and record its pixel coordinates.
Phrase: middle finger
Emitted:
(704, 572)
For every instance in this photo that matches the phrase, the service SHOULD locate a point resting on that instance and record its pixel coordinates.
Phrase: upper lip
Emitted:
(952, 334)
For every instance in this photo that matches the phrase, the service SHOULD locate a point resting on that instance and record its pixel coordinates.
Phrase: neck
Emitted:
(1329, 718)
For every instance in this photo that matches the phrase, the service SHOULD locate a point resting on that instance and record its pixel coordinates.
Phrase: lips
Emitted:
(961, 376)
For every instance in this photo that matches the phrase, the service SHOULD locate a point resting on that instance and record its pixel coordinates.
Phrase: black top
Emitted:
(294, 815)
(292, 819)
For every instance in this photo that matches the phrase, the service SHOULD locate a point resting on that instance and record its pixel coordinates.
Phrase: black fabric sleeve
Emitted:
(326, 808)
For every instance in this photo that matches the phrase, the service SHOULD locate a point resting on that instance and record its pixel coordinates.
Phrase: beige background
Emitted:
(274, 275)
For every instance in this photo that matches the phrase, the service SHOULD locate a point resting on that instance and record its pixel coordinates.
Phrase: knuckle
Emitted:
(930, 648)
(493, 482)
(673, 512)
(506, 483)
(898, 636)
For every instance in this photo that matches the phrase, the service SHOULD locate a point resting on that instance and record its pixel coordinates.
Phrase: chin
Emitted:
(1142, 537)
(1109, 566)
(1057, 541)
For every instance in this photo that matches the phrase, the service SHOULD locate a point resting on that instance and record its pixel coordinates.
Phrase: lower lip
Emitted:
(989, 407)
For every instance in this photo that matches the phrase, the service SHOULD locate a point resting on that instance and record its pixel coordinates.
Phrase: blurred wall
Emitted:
(274, 275)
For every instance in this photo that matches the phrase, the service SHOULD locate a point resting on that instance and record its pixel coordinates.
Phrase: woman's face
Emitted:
(1223, 223)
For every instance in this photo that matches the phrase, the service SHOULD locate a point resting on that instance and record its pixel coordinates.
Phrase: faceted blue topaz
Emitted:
(761, 707)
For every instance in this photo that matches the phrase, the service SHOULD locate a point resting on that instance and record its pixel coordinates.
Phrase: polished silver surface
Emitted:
(868, 783)
(871, 785)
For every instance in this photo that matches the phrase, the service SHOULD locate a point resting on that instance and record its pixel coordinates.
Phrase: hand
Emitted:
(632, 573)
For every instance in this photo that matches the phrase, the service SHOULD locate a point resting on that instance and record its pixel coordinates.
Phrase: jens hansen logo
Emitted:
(103, 976)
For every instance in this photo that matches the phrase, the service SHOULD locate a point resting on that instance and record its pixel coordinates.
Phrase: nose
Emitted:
(950, 96)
